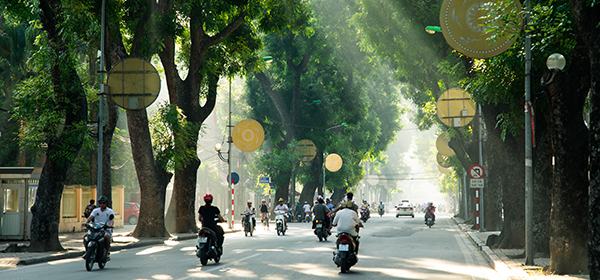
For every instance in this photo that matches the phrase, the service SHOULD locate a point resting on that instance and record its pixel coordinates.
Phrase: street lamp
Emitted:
(218, 148)
(556, 61)
(336, 126)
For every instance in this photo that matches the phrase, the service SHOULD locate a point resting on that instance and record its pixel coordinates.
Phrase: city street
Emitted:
(391, 248)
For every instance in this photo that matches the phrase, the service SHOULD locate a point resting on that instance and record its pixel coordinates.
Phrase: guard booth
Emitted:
(18, 186)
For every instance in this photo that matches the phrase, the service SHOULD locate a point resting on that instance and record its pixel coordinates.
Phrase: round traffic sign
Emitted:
(476, 171)
(235, 178)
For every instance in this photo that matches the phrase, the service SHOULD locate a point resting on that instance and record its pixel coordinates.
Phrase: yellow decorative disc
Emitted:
(248, 135)
(333, 162)
(442, 145)
(308, 150)
(133, 83)
(455, 108)
(465, 31)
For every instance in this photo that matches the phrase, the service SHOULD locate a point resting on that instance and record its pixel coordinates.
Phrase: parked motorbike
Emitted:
(320, 231)
(247, 222)
(345, 254)
(307, 217)
(279, 222)
(207, 248)
(96, 247)
(429, 220)
(364, 214)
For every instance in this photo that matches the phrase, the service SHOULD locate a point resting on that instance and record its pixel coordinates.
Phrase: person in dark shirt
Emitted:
(320, 211)
(89, 209)
(209, 215)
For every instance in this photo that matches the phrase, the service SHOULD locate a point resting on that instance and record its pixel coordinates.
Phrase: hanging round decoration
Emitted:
(455, 108)
(443, 170)
(308, 150)
(442, 160)
(464, 25)
(373, 179)
(248, 135)
(442, 145)
(333, 162)
(133, 83)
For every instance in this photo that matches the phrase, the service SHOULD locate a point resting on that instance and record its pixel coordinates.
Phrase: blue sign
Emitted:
(234, 177)
(264, 180)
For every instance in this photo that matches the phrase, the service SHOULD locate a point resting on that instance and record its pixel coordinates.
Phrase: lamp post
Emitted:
(100, 101)
(528, 147)
(218, 148)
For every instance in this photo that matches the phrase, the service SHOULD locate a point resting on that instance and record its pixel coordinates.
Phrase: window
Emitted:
(127, 206)
(11, 200)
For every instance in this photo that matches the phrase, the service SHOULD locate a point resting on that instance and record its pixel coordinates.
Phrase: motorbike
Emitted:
(364, 214)
(299, 216)
(320, 231)
(96, 248)
(247, 222)
(279, 222)
(344, 255)
(380, 211)
(207, 248)
(429, 220)
(307, 217)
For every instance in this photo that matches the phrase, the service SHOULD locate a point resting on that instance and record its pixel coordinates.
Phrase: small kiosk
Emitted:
(18, 186)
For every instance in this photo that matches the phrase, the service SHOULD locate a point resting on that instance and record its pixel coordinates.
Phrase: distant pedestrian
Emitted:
(89, 209)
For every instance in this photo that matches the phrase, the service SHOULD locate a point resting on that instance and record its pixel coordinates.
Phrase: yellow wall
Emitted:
(74, 200)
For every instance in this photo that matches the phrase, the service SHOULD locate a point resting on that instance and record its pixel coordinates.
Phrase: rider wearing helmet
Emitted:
(105, 215)
(250, 209)
(282, 207)
(320, 211)
(207, 214)
(430, 210)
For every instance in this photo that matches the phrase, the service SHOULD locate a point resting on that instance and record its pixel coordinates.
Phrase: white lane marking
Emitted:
(223, 266)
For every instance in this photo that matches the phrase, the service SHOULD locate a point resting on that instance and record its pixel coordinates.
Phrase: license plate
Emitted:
(343, 247)
(319, 225)
(202, 239)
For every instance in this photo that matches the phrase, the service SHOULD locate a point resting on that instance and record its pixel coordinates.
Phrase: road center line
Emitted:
(224, 266)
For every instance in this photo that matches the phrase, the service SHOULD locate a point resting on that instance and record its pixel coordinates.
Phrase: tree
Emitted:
(58, 123)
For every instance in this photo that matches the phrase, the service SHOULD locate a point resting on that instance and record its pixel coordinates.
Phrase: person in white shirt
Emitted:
(346, 220)
(250, 209)
(105, 215)
(282, 207)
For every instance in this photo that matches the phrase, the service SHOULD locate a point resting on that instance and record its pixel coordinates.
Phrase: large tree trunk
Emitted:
(568, 225)
(308, 192)
(586, 16)
(63, 148)
(542, 186)
(508, 155)
(282, 186)
(153, 182)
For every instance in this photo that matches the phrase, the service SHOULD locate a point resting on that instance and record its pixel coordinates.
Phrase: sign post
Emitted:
(476, 173)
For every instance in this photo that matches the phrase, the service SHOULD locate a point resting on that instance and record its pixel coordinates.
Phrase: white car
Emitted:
(405, 209)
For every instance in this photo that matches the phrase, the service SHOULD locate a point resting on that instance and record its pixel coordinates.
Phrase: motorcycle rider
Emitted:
(349, 197)
(366, 206)
(320, 211)
(347, 221)
(105, 215)
(329, 204)
(381, 205)
(282, 207)
(431, 211)
(306, 207)
(250, 209)
(207, 214)
(264, 210)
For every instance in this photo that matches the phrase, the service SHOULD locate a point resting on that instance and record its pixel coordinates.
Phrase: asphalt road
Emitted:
(391, 248)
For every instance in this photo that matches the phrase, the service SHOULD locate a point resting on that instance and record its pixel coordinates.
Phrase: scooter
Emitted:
(380, 211)
(429, 220)
(247, 222)
(345, 254)
(320, 231)
(299, 217)
(96, 248)
(364, 214)
(307, 217)
(265, 220)
(207, 248)
(279, 222)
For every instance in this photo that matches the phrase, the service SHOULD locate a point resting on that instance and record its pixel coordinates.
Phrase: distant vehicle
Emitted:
(405, 209)
(131, 212)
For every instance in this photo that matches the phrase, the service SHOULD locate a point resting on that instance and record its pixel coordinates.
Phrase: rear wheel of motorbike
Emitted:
(344, 268)
(217, 259)
(89, 259)
(278, 232)
(203, 260)
(101, 264)
(245, 233)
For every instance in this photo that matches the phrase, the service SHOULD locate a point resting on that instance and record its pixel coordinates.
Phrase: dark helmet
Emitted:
(320, 199)
(103, 198)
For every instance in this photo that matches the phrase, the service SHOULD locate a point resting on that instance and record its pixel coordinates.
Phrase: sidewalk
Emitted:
(510, 263)
(72, 242)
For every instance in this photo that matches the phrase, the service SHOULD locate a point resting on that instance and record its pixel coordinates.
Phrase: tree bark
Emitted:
(542, 185)
(316, 170)
(108, 130)
(568, 224)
